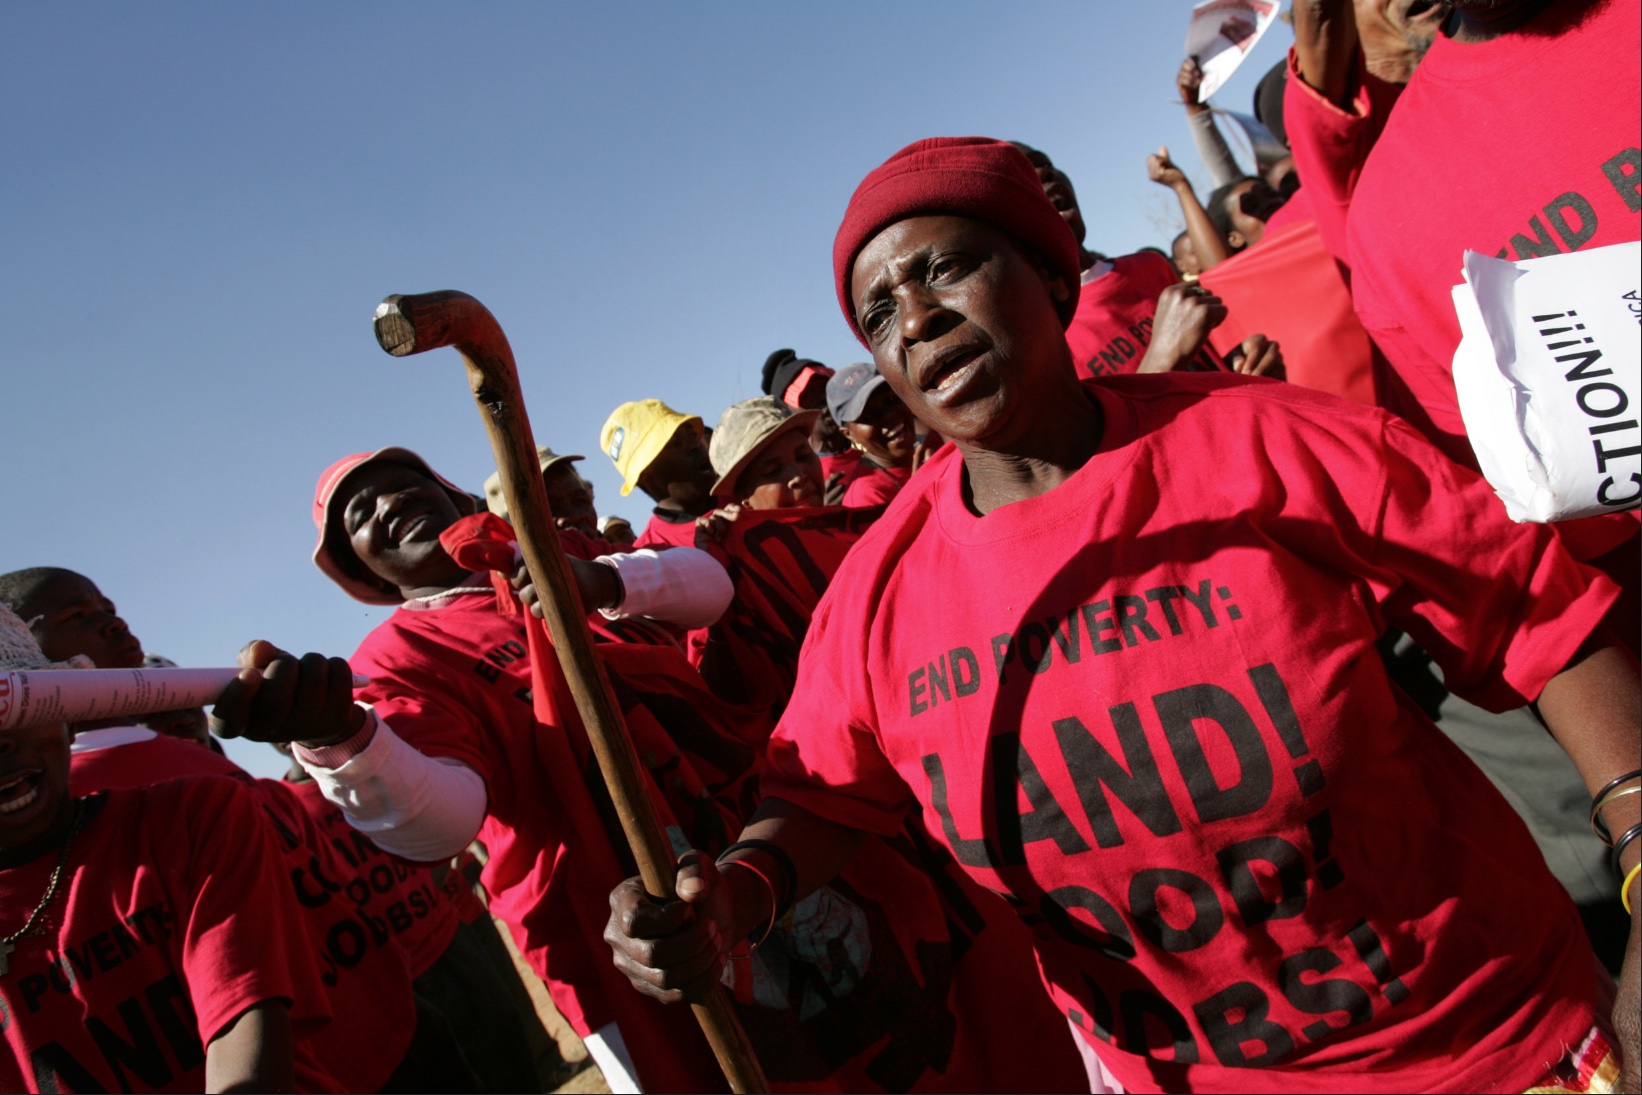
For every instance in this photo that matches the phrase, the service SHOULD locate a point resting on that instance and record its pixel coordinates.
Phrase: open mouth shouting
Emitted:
(950, 368)
(18, 792)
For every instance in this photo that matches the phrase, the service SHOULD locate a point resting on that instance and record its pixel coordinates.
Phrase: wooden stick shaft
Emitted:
(411, 324)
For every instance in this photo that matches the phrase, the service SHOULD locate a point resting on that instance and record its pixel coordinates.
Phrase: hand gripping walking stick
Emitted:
(408, 325)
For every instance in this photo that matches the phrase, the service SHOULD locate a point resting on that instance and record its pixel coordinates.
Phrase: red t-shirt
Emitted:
(1173, 662)
(416, 910)
(172, 918)
(780, 562)
(1112, 326)
(848, 462)
(1522, 146)
(363, 970)
(666, 532)
(454, 680)
(875, 486)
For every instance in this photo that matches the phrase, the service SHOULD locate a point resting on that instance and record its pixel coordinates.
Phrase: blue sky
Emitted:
(203, 204)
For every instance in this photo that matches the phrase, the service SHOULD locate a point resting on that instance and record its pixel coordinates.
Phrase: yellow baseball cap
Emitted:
(635, 433)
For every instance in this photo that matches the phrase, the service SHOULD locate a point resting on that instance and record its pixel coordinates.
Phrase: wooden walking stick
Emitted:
(408, 325)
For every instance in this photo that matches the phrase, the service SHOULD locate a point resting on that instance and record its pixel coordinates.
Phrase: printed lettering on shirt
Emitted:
(1115, 623)
(150, 1037)
(368, 924)
(1121, 796)
(132, 1038)
(1568, 221)
(95, 953)
(1110, 359)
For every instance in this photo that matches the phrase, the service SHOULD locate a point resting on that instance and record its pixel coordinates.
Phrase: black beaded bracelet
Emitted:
(788, 869)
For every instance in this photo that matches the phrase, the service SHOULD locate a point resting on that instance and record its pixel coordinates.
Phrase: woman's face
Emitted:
(884, 429)
(963, 326)
(785, 473)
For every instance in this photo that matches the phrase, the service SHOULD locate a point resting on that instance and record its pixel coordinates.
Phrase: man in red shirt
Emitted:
(150, 942)
(1140, 698)
(373, 934)
(664, 454)
(1501, 78)
(569, 496)
(1134, 314)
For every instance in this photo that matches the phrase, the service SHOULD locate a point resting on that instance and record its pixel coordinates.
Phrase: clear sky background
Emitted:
(202, 204)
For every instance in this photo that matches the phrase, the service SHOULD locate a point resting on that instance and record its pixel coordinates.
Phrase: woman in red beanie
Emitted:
(1115, 647)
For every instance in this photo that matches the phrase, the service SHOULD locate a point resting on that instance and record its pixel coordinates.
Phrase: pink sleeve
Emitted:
(1331, 145)
(825, 755)
(1501, 606)
(243, 941)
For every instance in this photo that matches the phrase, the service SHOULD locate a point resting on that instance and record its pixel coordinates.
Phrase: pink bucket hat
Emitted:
(333, 554)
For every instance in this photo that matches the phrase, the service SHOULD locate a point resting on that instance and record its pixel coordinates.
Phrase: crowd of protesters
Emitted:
(1124, 681)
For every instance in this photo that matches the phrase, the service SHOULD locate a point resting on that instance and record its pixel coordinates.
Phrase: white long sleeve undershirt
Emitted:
(427, 809)
(422, 808)
(680, 585)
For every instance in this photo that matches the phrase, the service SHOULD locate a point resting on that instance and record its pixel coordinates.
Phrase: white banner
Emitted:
(1221, 34)
(1549, 379)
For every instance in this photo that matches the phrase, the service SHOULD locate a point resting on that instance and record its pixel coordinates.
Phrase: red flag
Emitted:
(1289, 289)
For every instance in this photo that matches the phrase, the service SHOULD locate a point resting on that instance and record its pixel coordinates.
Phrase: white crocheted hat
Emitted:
(19, 651)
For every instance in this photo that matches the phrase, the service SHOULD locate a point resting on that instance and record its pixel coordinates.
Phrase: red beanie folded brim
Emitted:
(977, 177)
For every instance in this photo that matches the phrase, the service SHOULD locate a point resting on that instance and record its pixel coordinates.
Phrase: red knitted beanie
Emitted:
(975, 177)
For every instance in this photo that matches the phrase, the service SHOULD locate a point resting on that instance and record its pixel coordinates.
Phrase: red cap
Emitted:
(975, 177)
(332, 553)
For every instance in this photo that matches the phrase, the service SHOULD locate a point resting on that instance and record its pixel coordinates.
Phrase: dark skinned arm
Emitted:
(596, 584)
(253, 1053)
(1591, 708)
(1210, 245)
(676, 950)
(1325, 45)
(1181, 323)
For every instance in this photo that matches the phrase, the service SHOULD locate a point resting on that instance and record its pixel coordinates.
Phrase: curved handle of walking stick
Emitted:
(408, 325)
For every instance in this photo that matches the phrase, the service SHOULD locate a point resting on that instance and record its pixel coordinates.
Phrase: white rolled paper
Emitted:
(81, 695)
